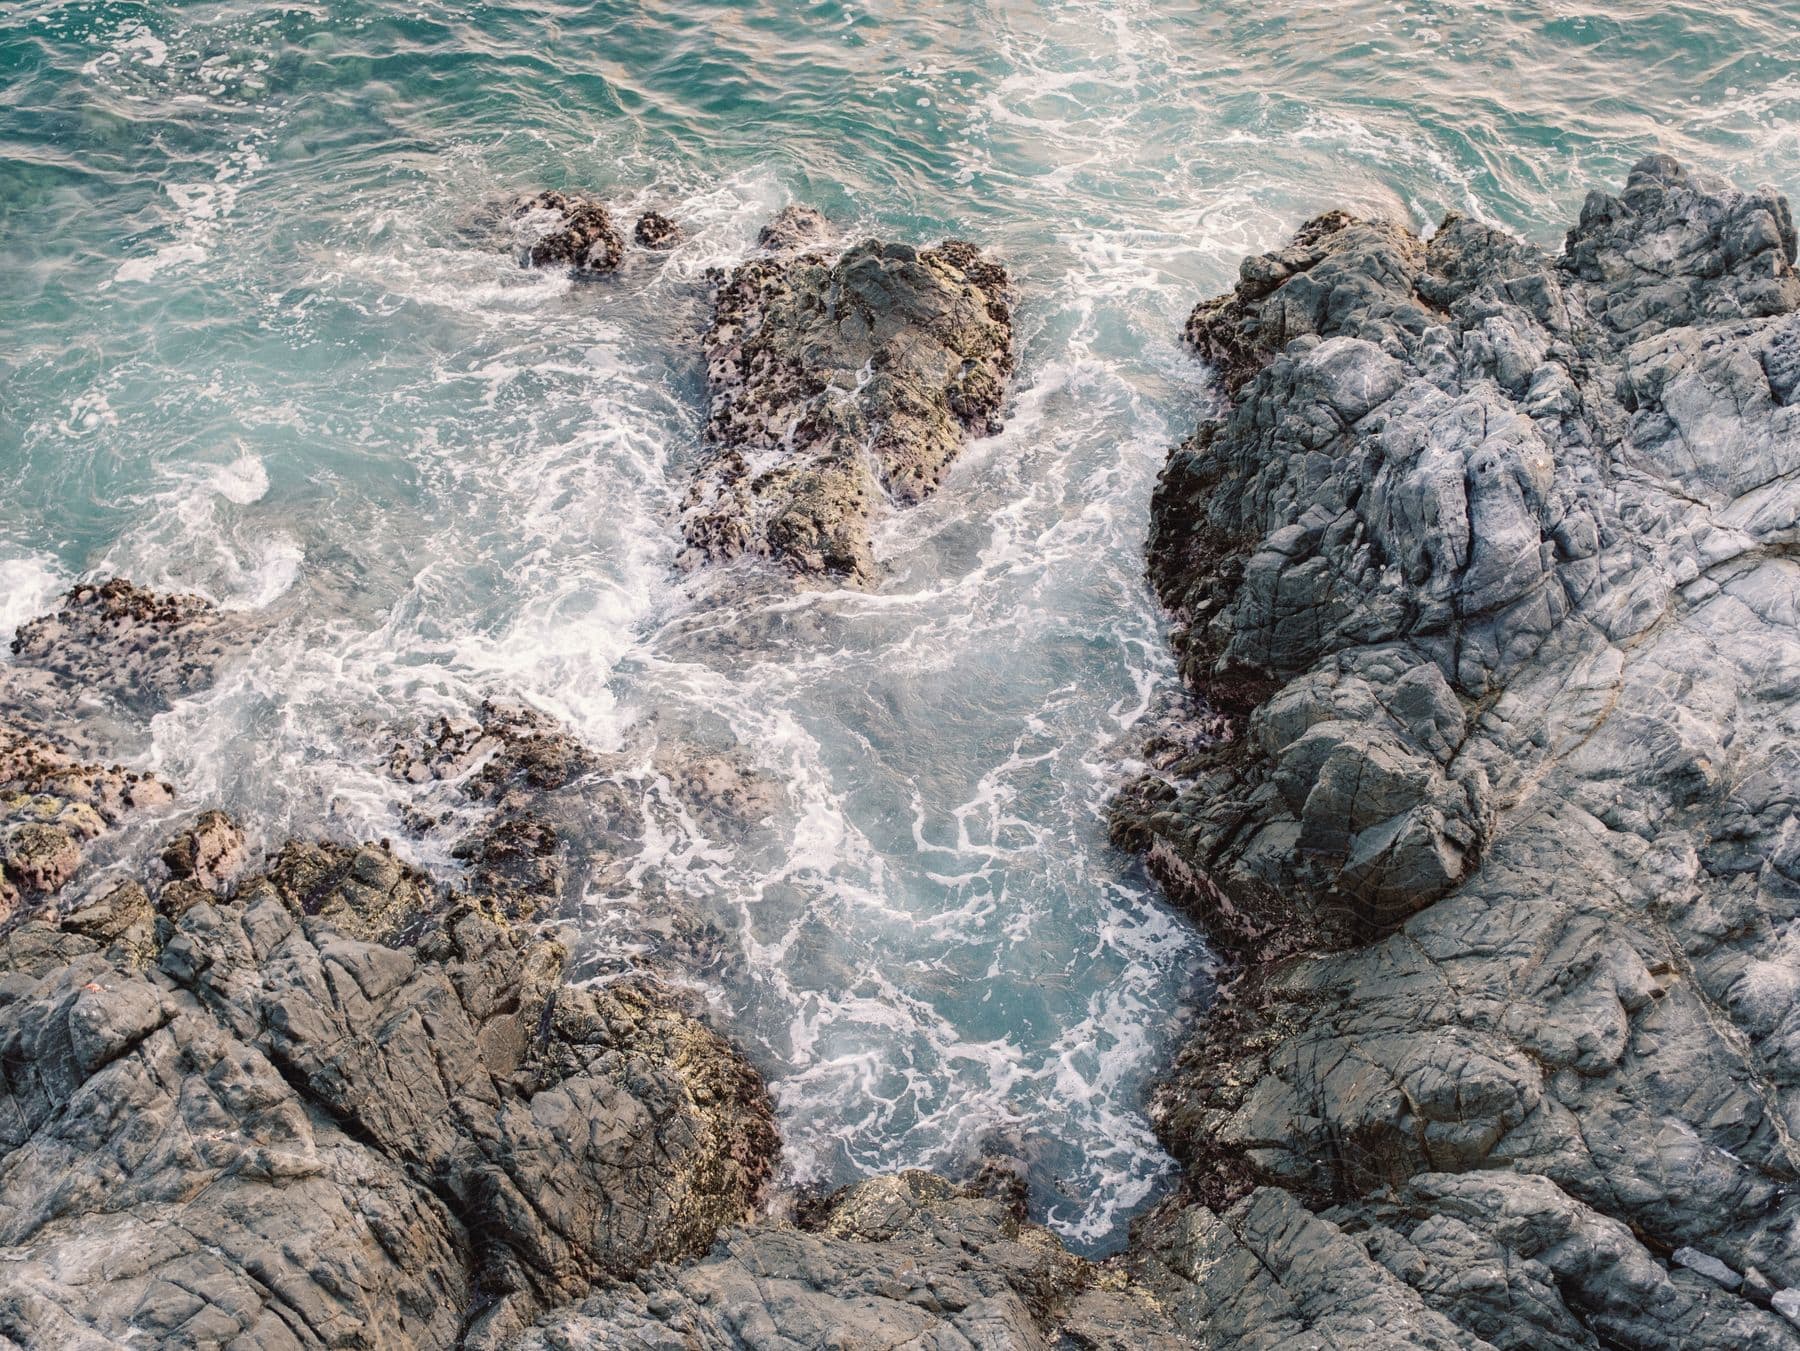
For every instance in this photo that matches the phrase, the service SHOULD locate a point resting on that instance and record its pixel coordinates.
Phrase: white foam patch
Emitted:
(29, 587)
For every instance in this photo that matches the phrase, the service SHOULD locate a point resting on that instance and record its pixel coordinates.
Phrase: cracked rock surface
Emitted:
(341, 1107)
(839, 385)
(1490, 565)
(906, 1260)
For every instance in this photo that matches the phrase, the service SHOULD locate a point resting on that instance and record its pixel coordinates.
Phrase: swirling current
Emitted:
(258, 345)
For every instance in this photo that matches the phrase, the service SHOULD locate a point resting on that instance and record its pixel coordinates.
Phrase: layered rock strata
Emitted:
(839, 385)
(1489, 564)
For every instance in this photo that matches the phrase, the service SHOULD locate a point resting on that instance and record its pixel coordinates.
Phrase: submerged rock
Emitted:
(539, 817)
(1489, 567)
(569, 230)
(141, 650)
(838, 386)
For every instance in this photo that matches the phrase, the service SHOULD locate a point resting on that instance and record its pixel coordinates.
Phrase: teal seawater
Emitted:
(258, 339)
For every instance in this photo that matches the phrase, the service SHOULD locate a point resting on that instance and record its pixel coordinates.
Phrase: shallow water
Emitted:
(258, 344)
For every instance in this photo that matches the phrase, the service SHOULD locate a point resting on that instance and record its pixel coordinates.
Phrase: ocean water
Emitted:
(257, 340)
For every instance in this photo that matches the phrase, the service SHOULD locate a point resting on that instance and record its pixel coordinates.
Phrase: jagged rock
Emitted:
(344, 1108)
(1489, 568)
(210, 852)
(906, 1260)
(569, 230)
(656, 231)
(836, 385)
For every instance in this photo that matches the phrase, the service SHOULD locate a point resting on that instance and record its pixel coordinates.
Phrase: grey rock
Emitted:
(1488, 572)
(794, 228)
(906, 1260)
(344, 1108)
(838, 386)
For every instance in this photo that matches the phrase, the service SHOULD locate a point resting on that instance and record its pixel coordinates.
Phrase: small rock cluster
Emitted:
(574, 230)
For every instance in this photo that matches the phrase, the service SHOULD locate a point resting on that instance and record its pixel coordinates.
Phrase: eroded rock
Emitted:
(51, 805)
(1488, 566)
(343, 1107)
(139, 649)
(839, 386)
(656, 231)
(569, 230)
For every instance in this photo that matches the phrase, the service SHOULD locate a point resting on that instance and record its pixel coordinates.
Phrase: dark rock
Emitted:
(1489, 568)
(837, 386)
(656, 231)
(140, 649)
(569, 230)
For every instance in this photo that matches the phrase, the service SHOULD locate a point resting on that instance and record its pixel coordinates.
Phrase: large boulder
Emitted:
(1489, 567)
(839, 385)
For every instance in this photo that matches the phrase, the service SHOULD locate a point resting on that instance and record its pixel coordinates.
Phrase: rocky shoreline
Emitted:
(1485, 589)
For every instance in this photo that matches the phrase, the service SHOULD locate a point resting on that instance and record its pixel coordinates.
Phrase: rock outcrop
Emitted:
(656, 231)
(51, 805)
(839, 385)
(131, 649)
(1490, 568)
(340, 1107)
(907, 1260)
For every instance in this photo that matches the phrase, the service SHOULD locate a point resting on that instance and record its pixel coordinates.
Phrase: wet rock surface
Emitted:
(1488, 571)
(656, 231)
(839, 385)
(120, 644)
(539, 818)
(51, 805)
(561, 229)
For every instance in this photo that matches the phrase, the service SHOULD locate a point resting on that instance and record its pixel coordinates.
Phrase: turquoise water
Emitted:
(259, 343)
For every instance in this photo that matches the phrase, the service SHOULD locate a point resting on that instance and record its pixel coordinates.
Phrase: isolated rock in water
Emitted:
(1489, 565)
(656, 231)
(51, 804)
(837, 386)
(141, 649)
(906, 1260)
(343, 1108)
(794, 228)
(569, 230)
